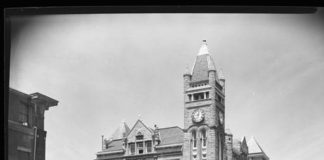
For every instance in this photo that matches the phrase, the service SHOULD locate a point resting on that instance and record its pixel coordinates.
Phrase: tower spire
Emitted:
(203, 64)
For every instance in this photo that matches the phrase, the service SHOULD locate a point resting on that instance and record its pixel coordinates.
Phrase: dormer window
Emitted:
(139, 136)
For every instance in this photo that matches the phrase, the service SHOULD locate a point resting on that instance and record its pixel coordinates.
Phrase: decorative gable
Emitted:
(140, 130)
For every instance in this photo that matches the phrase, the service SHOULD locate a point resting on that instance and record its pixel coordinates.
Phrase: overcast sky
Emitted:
(105, 68)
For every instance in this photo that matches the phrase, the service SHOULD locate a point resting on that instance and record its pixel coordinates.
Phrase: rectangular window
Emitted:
(132, 148)
(139, 137)
(140, 148)
(148, 145)
(207, 94)
(198, 96)
(219, 98)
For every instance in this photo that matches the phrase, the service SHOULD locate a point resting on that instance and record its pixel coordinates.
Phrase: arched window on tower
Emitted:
(220, 147)
(203, 134)
(194, 139)
(203, 138)
(194, 145)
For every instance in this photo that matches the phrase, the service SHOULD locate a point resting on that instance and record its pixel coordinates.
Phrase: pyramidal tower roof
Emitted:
(121, 131)
(254, 146)
(203, 63)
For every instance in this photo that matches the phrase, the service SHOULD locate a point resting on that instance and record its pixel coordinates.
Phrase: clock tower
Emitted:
(204, 108)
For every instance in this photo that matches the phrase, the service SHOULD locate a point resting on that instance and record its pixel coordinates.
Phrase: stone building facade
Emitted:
(26, 134)
(203, 136)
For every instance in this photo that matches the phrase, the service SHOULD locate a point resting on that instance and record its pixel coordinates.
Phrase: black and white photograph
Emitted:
(166, 86)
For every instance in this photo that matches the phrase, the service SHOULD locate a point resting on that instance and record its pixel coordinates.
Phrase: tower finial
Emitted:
(187, 71)
(203, 49)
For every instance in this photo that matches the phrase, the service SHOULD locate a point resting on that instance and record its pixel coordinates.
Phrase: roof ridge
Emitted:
(171, 127)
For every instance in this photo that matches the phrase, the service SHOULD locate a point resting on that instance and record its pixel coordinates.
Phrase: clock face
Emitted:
(198, 115)
(221, 118)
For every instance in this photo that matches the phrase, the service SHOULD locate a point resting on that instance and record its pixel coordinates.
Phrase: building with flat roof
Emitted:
(26, 134)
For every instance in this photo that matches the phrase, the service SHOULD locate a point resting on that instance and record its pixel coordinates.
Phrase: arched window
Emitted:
(220, 149)
(194, 139)
(203, 138)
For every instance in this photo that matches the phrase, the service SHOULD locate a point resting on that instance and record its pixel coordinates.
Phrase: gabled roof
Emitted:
(203, 63)
(168, 136)
(137, 123)
(121, 132)
(171, 135)
(254, 146)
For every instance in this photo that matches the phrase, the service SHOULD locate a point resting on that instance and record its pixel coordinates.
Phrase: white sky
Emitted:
(103, 68)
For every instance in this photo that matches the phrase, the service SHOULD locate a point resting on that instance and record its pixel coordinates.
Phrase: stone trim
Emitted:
(24, 149)
(110, 152)
(169, 145)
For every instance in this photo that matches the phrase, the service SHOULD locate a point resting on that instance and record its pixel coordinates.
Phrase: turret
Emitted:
(221, 79)
(229, 144)
(186, 78)
(156, 135)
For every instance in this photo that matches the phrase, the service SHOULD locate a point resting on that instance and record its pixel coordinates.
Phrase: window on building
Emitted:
(204, 138)
(219, 98)
(148, 146)
(220, 150)
(189, 97)
(140, 148)
(139, 136)
(194, 157)
(198, 96)
(207, 94)
(132, 148)
(204, 156)
(194, 138)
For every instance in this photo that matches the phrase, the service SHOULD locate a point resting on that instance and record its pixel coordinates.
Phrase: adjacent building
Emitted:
(26, 134)
(203, 136)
